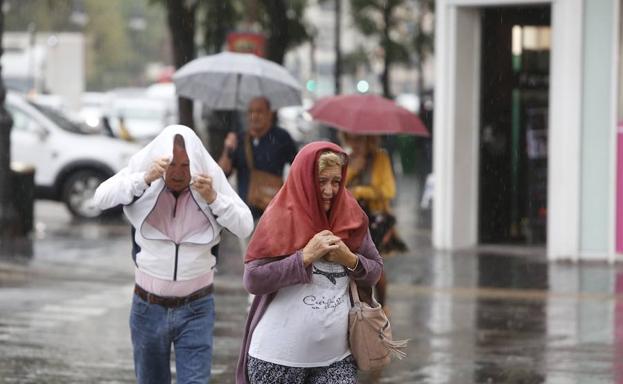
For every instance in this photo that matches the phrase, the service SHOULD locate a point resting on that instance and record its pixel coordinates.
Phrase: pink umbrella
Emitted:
(367, 115)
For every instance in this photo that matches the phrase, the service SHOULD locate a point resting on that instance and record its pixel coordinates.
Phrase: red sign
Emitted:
(246, 42)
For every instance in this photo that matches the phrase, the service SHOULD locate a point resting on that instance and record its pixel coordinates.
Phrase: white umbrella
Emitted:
(229, 80)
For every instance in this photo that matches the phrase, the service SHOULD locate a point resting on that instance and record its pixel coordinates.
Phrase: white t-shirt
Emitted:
(306, 325)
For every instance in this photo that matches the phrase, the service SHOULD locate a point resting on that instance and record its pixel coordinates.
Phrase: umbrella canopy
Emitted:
(229, 80)
(367, 115)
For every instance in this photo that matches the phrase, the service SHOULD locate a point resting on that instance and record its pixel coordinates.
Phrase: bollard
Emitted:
(23, 197)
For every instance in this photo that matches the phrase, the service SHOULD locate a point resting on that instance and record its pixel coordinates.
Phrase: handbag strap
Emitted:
(248, 152)
(354, 293)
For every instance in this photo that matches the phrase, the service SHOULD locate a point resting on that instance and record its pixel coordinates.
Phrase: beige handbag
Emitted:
(263, 186)
(370, 335)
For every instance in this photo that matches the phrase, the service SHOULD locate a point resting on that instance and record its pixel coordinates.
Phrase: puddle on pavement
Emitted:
(471, 318)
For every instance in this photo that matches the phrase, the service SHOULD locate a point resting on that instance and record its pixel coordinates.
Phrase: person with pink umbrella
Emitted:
(361, 118)
(370, 179)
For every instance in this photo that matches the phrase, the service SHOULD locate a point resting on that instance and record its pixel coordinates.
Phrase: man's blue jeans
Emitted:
(189, 328)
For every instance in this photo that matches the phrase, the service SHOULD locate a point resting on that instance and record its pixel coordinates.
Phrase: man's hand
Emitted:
(231, 142)
(156, 170)
(319, 245)
(203, 185)
(229, 146)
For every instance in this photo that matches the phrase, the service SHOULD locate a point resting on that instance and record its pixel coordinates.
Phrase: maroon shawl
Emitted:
(296, 214)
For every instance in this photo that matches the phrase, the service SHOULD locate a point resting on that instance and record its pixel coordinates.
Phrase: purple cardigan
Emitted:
(264, 278)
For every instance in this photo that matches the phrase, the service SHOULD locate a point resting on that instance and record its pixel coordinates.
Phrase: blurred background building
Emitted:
(526, 93)
(45, 63)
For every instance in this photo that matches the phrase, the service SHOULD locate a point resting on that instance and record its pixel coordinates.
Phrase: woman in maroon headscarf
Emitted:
(312, 238)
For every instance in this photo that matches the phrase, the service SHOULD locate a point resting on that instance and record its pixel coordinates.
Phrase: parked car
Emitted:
(70, 162)
(144, 118)
(91, 108)
(140, 113)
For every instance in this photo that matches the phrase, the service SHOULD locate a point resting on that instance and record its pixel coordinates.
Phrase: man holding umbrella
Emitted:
(258, 156)
(232, 81)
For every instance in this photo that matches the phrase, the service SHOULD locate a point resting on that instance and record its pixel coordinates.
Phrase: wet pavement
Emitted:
(486, 315)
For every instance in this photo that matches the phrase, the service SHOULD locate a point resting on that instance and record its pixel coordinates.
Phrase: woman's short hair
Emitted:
(330, 159)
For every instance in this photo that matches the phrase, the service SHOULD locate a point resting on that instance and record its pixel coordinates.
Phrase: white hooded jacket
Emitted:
(158, 255)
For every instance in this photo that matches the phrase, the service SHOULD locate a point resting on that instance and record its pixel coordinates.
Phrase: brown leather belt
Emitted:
(172, 302)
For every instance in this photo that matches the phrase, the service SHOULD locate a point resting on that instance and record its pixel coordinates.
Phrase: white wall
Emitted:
(456, 144)
(597, 129)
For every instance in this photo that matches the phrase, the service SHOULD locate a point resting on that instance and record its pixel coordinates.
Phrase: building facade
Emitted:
(527, 106)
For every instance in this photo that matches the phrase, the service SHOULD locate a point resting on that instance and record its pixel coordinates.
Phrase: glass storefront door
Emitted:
(514, 125)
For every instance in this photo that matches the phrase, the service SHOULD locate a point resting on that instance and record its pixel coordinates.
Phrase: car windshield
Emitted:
(60, 120)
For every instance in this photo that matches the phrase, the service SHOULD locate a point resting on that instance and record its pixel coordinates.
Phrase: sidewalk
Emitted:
(489, 315)
(497, 314)
(500, 314)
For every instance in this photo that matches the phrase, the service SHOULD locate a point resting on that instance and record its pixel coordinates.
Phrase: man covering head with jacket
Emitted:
(177, 200)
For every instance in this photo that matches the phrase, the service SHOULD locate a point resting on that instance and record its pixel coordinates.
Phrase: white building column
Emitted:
(457, 104)
(456, 124)
(565, 118)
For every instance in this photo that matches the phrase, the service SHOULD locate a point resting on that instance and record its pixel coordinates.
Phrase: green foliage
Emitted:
(297, 28)
(400, 52)
(378, 18)
(218, 19)
(424, 42)
(396, 24)
(352, 60)
(283, 26)
(366, 25)
(45, 15)
(118, 52)
(367, 16)
(108, 47)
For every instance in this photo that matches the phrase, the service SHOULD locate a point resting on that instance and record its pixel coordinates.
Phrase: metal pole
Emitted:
(7, 215)
(338, 53)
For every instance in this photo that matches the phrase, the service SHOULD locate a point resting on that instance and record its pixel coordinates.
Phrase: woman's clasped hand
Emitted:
(325, 245)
